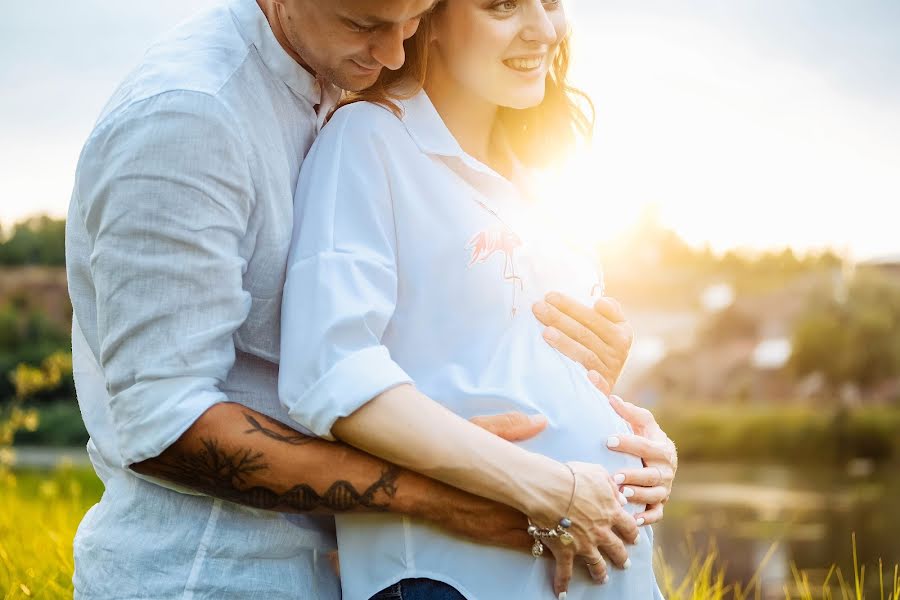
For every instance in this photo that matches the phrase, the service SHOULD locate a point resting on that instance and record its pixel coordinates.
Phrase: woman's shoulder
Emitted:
(365, 121)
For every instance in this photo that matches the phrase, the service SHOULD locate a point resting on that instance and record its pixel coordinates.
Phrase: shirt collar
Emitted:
(431, 135)
(255, 29)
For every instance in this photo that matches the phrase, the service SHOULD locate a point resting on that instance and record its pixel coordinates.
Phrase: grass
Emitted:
(40, 512)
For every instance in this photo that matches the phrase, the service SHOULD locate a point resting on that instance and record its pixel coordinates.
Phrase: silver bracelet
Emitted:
(560, 531)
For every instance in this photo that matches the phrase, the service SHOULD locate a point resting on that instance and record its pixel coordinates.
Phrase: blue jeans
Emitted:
(418, 589)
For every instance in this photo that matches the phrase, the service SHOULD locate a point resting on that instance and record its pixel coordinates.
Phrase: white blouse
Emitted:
(413, 262)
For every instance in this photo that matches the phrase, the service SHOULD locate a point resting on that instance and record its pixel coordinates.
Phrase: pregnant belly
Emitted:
(521, 373)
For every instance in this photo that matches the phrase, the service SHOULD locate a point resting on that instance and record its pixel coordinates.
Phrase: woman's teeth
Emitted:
(524, 64)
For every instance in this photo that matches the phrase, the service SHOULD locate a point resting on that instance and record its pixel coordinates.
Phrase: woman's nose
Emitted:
(538, 26)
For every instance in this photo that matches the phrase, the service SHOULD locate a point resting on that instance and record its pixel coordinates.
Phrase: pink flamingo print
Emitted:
(485, 244)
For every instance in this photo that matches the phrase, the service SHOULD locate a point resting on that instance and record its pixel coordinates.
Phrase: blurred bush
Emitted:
(36, 241)
(784, 434)
(853, 337)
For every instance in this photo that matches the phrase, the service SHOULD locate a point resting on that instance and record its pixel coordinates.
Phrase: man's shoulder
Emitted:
(194, 61)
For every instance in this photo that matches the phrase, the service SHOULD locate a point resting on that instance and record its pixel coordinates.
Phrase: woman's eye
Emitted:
(505, 7)
(552, 3)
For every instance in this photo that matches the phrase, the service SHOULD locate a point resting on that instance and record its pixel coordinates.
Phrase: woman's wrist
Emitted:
(548, 492)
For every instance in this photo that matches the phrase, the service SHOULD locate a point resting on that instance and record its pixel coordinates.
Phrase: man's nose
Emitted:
(387, 47)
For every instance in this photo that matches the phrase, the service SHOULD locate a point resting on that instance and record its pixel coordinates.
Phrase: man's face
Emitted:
(348, 42)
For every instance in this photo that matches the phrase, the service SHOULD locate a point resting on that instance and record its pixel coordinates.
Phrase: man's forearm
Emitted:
(240, 455)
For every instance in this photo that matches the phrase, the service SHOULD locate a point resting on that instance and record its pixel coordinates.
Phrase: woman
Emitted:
(414, 253)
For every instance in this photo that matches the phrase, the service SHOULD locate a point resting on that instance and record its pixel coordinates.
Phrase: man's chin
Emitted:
(357, 82)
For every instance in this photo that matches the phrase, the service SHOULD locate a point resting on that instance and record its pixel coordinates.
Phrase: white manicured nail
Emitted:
(605, 580)
(640, 521)
(628, 492)
(612, 441)
(619, 478)
(562, 595)
(627, 564)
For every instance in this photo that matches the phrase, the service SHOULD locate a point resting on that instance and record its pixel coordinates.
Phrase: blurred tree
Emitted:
(36, 241)
(28, 336)
(856, 340)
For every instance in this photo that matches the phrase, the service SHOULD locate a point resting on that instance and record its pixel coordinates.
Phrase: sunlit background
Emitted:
(742, 190)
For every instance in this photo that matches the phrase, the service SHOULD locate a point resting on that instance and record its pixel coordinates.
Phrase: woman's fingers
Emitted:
(646, 495)
(637, 417)
(596, 566)
(581, 354)
(645, 477)
(649, 450)
(653, 514)
(564, 564)
(611, 545)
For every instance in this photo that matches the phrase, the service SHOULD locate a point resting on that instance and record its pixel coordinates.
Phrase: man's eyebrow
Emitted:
(378, 21)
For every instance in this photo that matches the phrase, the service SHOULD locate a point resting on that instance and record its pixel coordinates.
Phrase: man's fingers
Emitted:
(653, 514)
(514, 427)
(646, 495)
(639, 446)
(596, 566)
(636, 416)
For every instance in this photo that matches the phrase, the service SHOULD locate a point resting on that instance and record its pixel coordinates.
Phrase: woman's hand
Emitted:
(598, 337)
(600, 528)
(651, 485)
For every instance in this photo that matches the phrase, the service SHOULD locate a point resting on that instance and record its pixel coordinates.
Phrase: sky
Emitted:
(751, 123)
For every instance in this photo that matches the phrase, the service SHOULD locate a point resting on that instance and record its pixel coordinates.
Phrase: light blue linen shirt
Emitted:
(414, 262)
(177, 238)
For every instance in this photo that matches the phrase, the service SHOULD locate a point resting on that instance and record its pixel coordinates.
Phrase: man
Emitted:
(177, 241)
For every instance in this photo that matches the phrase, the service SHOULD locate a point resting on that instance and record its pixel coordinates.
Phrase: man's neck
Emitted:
(270, 10)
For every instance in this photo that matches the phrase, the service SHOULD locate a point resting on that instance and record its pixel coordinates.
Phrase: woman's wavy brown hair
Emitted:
(540, 136)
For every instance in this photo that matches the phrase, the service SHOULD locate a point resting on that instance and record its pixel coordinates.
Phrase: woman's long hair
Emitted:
(540, 136)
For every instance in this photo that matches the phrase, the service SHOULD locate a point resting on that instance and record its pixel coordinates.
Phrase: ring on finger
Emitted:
(595, 563)
(659, 473)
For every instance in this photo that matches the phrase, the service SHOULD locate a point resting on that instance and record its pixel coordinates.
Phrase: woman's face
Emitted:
(499, 50)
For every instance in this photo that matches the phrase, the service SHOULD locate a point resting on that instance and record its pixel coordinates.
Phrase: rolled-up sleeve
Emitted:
(341, 286)
(165, 193)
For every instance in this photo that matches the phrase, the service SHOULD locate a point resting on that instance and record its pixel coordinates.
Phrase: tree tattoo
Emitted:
(225, 473)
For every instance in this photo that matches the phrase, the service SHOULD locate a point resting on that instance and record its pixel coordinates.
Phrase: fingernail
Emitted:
(552, 297)
(636, 540)
(627, 564)
(612, 441)
(551, 335)
(628, 492)
(538, 419)
(623, 500)
(563, 595)
(594, 376)
(640, 521)
(616, 398)
(619, 478)
(605, 580)
(541, 308)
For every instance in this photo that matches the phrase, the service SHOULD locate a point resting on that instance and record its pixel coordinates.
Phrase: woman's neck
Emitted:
(471, 119)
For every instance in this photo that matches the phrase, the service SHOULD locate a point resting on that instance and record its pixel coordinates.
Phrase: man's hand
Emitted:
(598, 337)
(514, 427)
(651, 485)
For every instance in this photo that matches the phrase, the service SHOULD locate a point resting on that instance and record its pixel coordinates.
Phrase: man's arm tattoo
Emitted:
(224, 474)
(276, 431)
